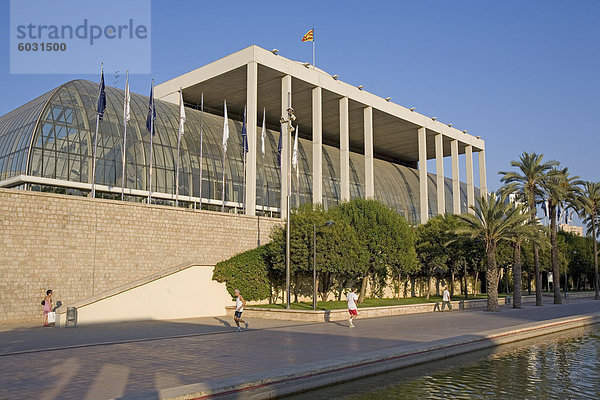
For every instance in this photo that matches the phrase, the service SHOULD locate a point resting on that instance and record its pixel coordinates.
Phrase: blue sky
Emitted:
(523, 75)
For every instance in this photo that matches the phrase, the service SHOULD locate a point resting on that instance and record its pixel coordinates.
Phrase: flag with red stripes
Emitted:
(309, 37)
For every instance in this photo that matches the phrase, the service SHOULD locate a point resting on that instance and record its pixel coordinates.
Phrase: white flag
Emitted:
(126, 109)
(225, 128)
(295, 153)
(181, 113)
(263, 134)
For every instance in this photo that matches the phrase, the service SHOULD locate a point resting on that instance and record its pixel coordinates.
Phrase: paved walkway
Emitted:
(138, 359)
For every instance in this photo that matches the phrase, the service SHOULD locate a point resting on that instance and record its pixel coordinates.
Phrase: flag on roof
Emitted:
(101, 97)
(309, 36)
(126, 107)
(244, 134)
(150, 126)
(263, 134)
(181, 113)
(295, 153)
(279, 147)
(545, 207)
(225, 127)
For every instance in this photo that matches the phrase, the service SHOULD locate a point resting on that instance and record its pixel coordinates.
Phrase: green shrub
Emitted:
(247, 272)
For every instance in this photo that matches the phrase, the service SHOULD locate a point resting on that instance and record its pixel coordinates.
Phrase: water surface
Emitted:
(559, 366)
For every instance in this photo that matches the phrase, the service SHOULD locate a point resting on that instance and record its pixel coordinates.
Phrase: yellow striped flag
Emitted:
(309, 36)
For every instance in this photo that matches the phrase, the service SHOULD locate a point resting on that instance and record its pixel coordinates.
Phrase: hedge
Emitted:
(247, 272)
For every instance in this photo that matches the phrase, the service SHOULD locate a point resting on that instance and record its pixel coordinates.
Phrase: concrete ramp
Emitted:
(184, 291)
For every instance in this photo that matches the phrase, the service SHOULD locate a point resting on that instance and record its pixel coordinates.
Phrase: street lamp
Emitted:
(315, 227)
(290, 117)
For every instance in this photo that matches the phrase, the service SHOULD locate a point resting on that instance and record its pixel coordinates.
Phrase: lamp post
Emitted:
(315, 227)
(290, 117)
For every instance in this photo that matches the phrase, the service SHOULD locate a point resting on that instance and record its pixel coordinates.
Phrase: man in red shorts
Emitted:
(352, 309)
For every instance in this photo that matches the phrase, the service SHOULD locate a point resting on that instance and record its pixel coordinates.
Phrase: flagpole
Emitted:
(125, 106)
(314, 65)
(223, 205)
(288, 196)
(295, 163)
(151, 140)
(244, 141)
(225, 138)
(94, 159)
(201, 122)
(244, 186)
(178, 147)
(96, 140)
(262, 167)
(297, 186)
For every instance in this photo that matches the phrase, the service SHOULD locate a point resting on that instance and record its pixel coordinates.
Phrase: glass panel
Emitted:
(63, 148)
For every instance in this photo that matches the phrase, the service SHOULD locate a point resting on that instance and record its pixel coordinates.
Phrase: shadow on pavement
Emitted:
(138, 359)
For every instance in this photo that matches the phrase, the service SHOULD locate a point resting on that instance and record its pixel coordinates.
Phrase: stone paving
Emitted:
(138, 359)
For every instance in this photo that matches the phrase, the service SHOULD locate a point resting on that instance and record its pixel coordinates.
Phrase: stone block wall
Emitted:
(80, 247)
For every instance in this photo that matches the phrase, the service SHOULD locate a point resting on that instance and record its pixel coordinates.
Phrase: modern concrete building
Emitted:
(352, 143)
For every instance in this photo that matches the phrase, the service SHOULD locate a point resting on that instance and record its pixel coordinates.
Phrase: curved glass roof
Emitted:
(52, 137)
(16, 130)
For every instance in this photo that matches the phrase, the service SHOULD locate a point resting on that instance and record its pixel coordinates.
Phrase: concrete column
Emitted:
(344, 150)
(369, 172)
(455, 177)
(251, 110)
(286, 93)
(439, 170)
(317, 139)
(423, 195)
(482, 174)
(470, 185)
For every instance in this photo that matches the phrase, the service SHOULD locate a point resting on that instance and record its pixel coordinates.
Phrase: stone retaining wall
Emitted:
(80, 247)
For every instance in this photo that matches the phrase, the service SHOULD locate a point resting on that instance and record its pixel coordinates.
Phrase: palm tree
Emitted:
(525, 184)
(589, 209)
(532, 232)
(493, 220)
(561, 190)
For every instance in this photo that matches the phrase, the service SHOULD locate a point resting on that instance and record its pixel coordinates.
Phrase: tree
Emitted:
(589, 202)
(504, 260)
(340, 254)
(301, 231)
(386, 236)
(560, 190)
(459, 252)
(531, 231)
(493, 221)
(525, 184)
(340, 257)
(579, 257)
(431, 250)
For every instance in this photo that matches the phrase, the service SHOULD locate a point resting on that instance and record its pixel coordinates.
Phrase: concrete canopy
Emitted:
(394, 127)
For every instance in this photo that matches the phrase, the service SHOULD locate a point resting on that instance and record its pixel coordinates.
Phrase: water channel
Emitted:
(559, 366)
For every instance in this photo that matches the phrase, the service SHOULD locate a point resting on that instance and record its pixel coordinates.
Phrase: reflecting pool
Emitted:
(559, 366)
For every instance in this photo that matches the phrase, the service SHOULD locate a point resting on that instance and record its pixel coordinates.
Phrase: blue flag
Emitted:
(101, 98)
(244, 134)
(545, 208)
(279, 147)
(151, 114)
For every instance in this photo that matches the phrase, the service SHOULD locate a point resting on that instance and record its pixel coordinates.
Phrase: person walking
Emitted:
(47, 303)
(352, 298)
(446, 300)
(240, 303)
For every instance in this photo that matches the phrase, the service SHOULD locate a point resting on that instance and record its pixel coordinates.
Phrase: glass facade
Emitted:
(52, 137)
